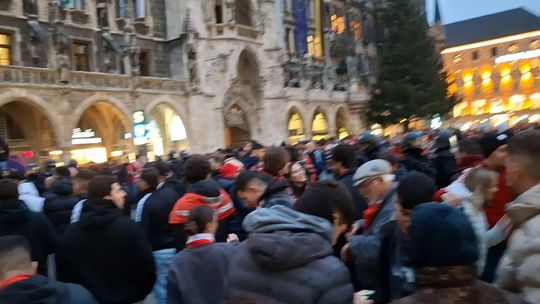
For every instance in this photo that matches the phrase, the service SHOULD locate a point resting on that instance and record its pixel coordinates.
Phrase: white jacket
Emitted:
(519, 270)
(29, 194)
(486, 238)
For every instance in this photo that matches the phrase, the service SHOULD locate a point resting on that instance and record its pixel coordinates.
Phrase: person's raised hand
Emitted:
(232, 238)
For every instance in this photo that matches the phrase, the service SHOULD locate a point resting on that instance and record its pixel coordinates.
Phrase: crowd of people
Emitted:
(429, 217)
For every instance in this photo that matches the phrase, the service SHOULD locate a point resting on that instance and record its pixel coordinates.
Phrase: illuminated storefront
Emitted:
(496, 75)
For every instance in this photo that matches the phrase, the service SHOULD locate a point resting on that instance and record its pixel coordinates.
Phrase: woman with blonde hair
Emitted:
(476, 189)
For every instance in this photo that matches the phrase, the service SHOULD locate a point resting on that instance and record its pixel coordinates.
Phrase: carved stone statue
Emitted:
(192, 67)
(63, 67)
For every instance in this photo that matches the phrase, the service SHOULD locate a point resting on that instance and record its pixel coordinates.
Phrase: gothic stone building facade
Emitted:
(206, 74)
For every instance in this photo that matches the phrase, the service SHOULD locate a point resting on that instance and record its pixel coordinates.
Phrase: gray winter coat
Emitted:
(287, 258)
(366, 248)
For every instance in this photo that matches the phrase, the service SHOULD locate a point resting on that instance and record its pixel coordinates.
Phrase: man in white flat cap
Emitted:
(375, 181)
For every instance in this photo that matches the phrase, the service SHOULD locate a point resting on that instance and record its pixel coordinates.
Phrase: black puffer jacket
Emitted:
(16, 219)
(280, 264)
(59, 204)
(413, 160)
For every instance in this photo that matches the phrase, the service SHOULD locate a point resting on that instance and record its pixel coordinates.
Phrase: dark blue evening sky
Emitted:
(458, 10)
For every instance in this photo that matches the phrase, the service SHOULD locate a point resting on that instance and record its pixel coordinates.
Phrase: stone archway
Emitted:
(102, 130)
(296, 130)
(342, 120)
(167, 130)
(27, 129)
(242, 102)
(319, 125)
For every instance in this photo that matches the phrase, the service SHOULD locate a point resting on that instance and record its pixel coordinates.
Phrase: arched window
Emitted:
(319, 127)
(243, 11)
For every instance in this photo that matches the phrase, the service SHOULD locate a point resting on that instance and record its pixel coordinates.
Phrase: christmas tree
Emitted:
(411, 83)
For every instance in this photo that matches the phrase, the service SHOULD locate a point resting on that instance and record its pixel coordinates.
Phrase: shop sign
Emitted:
(518, 56)
(87, 137)
(139, 128)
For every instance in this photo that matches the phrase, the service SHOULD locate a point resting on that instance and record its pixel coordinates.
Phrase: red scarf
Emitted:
(200, 239)
(369, 216)
(14, 279)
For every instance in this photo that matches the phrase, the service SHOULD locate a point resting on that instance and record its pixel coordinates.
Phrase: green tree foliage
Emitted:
(411, 82)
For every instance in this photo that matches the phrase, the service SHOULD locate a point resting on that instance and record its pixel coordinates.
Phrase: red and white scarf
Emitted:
(200, 239)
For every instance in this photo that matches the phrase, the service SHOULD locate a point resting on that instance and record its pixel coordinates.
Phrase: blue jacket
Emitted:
(366, 248)
(288, 258)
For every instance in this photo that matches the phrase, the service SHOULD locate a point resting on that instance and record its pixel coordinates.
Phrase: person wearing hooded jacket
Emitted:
(443, 160)
(16, 219)
(19, 283)
(413, 158)
(60, 202)
(201, 190)
(105, 251)
(285, 248)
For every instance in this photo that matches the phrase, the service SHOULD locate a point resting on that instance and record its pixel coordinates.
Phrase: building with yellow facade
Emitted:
(493, 66)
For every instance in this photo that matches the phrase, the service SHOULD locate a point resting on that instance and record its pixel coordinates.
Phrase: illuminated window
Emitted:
(513, 48)
(177, 130)
(458, 58)
(320, 125)
(356, 29)
(338, 24)
(5, 49)
(535, 44)
(526, 74)
(486, 77)
(80, 56)
(468, 80)
(475, 55)
(311, 45)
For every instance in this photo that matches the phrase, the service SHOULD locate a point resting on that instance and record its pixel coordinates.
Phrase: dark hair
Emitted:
(274, 160)
(72, 163)
(470, 147)
(293, 153)
(151, 177)
(346, 155)
(415, 188)
(526, 147)
(197, 168)
(62, 171)
(105, 170)
(14, 252)
(389, 157)
(163, 168)
(17, 175)
(199, 217)
(324, 198)
(85, 175)
(8, 189)
(243, 180)
(100, 186)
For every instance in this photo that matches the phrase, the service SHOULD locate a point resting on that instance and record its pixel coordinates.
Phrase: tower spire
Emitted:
(438, 18)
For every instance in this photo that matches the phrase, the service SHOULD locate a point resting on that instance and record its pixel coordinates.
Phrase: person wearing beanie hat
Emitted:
(17, 219)
(495, 150)
(443, 251)
(105, 251)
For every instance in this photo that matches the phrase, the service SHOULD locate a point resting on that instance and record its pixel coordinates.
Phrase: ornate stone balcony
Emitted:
(39, 77)
(234, 31)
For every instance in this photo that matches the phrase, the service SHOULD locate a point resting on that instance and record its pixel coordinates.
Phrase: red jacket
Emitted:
(495, 208)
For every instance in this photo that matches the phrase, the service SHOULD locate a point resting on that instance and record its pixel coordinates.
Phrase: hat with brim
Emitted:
(374, 168)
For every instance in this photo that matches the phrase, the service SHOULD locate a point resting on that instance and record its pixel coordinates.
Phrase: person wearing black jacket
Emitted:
(16, 219)
(105, 251)
(154, 217)
(60, 202)
(345, 164)
(413, 158)
(443, 161)
(20, 284)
